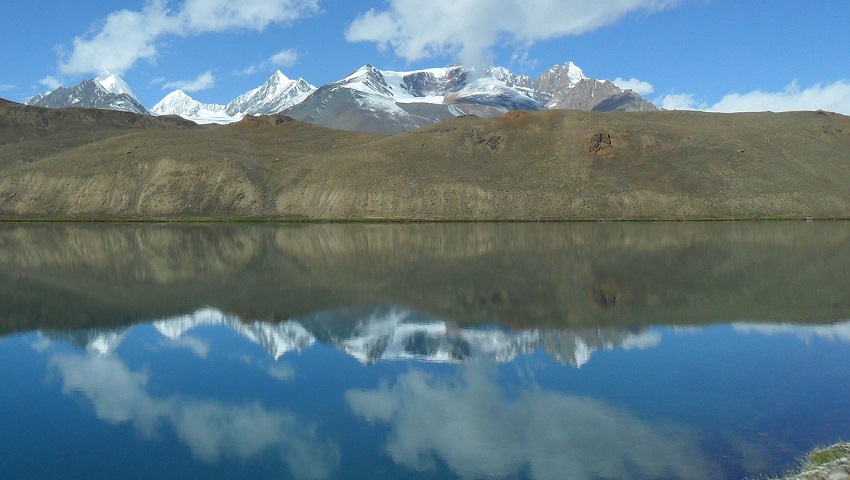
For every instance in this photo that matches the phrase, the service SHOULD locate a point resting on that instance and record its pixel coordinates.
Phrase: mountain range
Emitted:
(374, 100)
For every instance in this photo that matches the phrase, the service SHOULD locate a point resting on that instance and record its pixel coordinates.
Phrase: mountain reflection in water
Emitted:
(421, 351)
(386, 333)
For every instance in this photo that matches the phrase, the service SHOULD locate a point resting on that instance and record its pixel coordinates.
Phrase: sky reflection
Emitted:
(299, 397)
(211, 429)
(467, 422)
(839, 332)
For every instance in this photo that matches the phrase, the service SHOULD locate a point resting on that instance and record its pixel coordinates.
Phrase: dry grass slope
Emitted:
(548, 165)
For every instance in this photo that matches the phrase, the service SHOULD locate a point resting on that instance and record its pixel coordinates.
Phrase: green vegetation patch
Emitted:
(825, 463)
(834, 453)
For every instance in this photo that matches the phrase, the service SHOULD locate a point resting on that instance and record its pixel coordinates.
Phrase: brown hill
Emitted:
(30, 133)
(546, 165)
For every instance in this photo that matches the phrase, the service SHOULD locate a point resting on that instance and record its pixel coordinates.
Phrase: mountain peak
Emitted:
(277, 94)
(180, 103)
(107, 91)
(364, 71)
(559, 79)
(569, 69)
(279, 77)
(178, 94)
(574, 73)
(112, 83)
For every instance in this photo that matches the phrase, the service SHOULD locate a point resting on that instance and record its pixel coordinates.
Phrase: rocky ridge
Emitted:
(108, 92)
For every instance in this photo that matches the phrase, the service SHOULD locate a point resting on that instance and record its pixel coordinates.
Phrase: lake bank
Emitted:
(826, 463)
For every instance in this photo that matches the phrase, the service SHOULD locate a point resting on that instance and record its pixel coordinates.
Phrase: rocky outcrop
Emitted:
(599, 95)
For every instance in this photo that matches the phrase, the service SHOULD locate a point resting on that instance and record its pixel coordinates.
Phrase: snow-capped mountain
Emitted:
(366, 101)
(565, 87)
(384, 333)
(559, 78)
(276, 95)
(374, 100)
(114, 84)
(107, 91)
(381, 101)
(181, 104)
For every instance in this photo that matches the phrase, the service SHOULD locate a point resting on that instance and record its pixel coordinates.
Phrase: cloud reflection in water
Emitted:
(212, 430)
(839, 332)
(469, 424)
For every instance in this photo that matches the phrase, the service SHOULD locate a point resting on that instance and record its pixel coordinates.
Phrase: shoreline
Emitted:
(378, 220)
(823, 463)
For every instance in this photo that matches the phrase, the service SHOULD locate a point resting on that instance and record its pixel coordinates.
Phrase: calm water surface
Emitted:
(534, 351)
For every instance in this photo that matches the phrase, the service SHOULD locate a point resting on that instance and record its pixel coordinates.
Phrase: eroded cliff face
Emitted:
(522, 275)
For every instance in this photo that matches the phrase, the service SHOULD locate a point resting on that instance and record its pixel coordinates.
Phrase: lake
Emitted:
(422, 351)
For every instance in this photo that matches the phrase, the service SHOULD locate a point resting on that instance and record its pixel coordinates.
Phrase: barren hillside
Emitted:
(545, 165)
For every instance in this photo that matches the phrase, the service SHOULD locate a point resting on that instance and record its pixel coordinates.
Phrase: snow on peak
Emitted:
(363, 71)
(179, 103)
(574, 73)
(177, 96)
(111, 83)
(446, 85)
(176, 103)
(278, 93)
(280, 77)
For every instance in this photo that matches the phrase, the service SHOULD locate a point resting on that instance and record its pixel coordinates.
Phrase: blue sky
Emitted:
(728, 55)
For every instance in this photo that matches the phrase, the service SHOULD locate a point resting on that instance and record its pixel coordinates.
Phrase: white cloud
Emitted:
(482, 432)
(834, 97)
(286, 58)
(6, 87)
(127, 36)
(522, 58)
(638, 86)
(122, 39)
(678, 101)
(282, 59)
(202, 16)
(204, 81)
(467, 29)
(50, 82)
